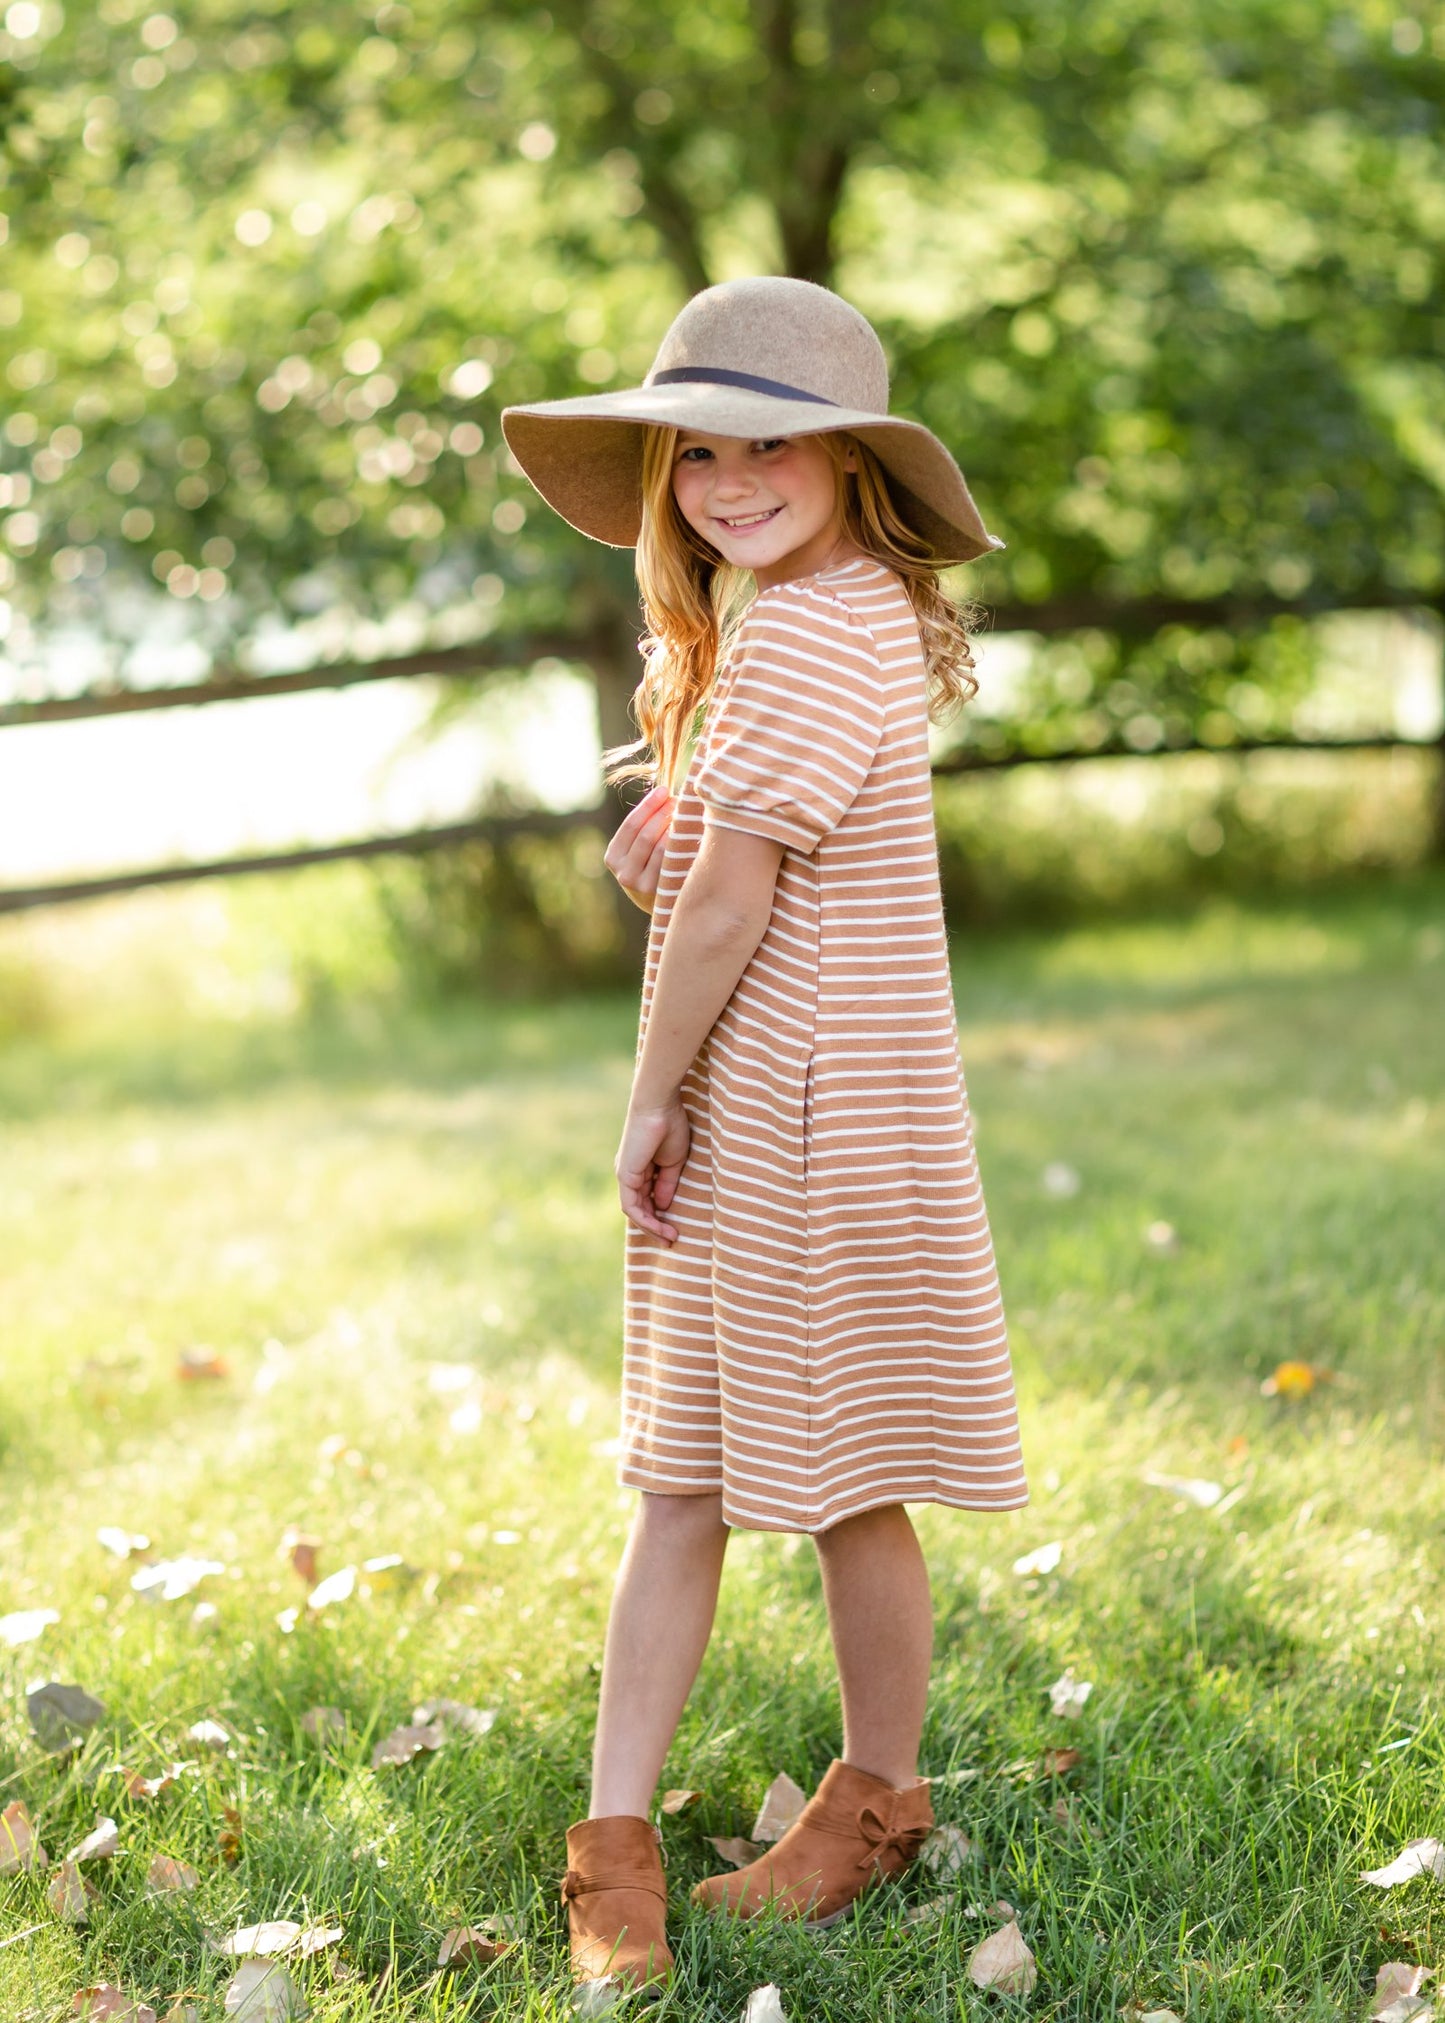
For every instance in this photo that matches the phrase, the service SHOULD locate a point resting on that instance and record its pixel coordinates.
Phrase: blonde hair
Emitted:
(694, 601)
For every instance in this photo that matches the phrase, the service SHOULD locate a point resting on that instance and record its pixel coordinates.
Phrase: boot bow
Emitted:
(885, 1835)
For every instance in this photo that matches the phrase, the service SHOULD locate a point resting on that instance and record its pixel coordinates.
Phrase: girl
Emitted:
(813, 1333)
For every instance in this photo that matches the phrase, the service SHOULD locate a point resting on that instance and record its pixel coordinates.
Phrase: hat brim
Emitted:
(584, 456)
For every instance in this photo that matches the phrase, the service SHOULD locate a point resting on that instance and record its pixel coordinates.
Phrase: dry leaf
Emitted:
(736, 1853)
(61, 1715)
(1068, 1694)
(210, 1735)
(927, 1914)
(1399, 1977)
(1193, 1488)
(323, 1721)
(69, 1895)
(124, 1544)
(337, 1587)
(1003, 1961)
(303, 1551)
(471, 1946)
(228, 1840)
(100, 1843)
(197, 1364)
(1074, 1823)
(782, 1803)
(1058, 1762)
(1417, 1857)
(1136, 2015)
(25, 1625)
(166, 1874)
(1043, 1559)
(678, 1801)
(182, 2011)
(402, 1744)
(140, 1787)
(260, 1941)
(1405, 2009)
(170, 1580)
(455, 1714)
(765, 2005)
(316, 1938)
(19, 1848)
(106, 2004)
(261, 1991)
(948, 1850)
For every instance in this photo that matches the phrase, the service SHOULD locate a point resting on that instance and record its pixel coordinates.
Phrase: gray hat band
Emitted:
(720, 375)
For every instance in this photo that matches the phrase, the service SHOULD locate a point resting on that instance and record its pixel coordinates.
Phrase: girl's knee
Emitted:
(682, 1516)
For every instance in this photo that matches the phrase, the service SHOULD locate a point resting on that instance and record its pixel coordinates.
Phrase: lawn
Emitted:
(1211, 1145)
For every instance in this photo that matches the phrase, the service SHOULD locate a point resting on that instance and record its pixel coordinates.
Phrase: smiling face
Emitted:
(770, 505)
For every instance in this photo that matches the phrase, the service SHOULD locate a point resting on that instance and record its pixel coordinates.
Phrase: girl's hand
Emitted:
(649, 1165)
(634, 855)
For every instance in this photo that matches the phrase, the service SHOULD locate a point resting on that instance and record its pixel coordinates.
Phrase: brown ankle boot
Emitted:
(854, 1830)
(616, 1898)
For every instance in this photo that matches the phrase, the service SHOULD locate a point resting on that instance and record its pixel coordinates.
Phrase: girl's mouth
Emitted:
(746, 523)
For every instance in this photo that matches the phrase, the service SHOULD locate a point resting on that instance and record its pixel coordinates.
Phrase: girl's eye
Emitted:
(771, 442)
(697, 450)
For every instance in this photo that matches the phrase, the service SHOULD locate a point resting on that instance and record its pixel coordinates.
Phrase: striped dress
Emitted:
(826, 1334)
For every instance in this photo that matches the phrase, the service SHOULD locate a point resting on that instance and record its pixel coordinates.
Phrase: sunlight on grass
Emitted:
(395, 1225)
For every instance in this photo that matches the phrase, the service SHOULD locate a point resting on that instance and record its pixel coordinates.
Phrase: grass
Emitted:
(337, 1205)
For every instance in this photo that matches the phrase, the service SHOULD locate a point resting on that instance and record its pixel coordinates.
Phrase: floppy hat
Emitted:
(765, 356)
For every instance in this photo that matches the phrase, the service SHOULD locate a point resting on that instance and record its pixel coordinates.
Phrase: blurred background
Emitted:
(1167, 278)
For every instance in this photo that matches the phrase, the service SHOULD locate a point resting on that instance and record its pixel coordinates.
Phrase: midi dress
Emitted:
(826, 1334)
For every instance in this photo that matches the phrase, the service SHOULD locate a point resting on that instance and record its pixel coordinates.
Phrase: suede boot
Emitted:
(616, 1898)
(855, 1830)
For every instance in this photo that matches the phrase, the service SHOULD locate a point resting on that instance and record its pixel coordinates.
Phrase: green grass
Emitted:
(381, 1188)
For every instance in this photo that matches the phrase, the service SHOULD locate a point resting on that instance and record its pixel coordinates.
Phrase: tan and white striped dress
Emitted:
(826, 1334)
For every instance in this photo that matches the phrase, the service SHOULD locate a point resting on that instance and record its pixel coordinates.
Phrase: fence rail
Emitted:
(540, 822)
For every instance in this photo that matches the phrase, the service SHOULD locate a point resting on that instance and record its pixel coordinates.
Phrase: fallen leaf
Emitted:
(19, 1848)
(782, 1803)
(765, 2005)
(169, 1580)
(455, 1714)
(1399, 1977)
(1405, 2009)
(678, 1801)
(100, 1843)
(194, 1365)
(323, 1721)
(1417, 1857)
(61, 1715)
(316, 1938)
(209, 1734)
(388, 1569)
(182, 2011)
(1137, 2015)
(69, 1895)
(166, 1874)
(1043, 1559)
(260, 1941)
(948, 1850)
(261, 1991)
(1058, 1762)
(107, 2004)
(1003, 1961)
(402, 1744)
(228, 1840)
(124, 1544)
(471, 1946)
(337, 1587)
(926, 1914)
(736, 1853)
(1294, 1380)
(1075, 1825)
(140, 1787)
(303, 1552)
(1068, 1694)
(25, 1625)
(1193, 1488)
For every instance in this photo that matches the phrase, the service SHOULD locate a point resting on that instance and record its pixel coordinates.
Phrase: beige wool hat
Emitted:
(765, 356)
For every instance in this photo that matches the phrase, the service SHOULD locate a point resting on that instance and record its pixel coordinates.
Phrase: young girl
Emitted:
(813, 1328)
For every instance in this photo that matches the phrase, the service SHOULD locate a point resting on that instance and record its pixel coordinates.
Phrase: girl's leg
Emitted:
(880, 1613)
(657, 1631)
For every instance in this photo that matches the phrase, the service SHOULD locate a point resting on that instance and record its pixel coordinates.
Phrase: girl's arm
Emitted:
(715, 926)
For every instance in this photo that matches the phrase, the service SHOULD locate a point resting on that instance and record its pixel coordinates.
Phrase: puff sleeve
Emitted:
(799, 720)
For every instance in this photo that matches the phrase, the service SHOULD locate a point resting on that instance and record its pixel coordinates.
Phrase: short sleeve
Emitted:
(798, 724)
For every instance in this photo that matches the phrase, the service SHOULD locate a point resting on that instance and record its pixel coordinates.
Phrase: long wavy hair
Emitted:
(694, 601)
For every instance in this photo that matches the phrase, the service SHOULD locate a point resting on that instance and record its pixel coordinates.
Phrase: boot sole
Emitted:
(606, 1997)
